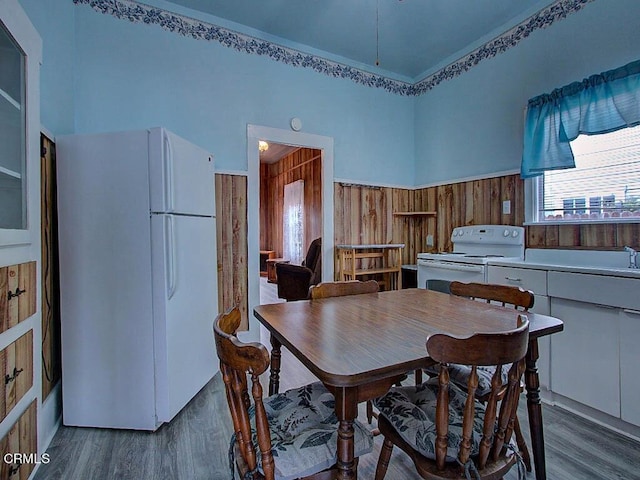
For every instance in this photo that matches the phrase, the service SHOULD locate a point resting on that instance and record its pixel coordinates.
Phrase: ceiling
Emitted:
(275, 152)
(409, 38)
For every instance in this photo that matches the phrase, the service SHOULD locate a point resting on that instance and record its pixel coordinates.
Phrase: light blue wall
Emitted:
(100, 73)
(135, 76)
(472, 125)
(54, 21)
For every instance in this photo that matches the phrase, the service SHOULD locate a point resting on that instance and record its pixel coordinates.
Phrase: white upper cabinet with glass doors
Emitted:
(12, 134)
(20, 55)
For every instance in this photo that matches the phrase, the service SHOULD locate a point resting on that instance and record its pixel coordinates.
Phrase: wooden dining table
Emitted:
(358, 346)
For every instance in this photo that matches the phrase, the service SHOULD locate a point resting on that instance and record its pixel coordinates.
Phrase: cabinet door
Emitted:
(16, 361)
(536, 281)
(17, 294)
(629, 363)
(585, 365)
(22, 438)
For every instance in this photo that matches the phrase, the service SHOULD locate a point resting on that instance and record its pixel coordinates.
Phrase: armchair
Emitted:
(294, 280)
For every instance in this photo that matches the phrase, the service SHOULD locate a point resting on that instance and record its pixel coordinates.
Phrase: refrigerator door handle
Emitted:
(168, 172)
(169, 234)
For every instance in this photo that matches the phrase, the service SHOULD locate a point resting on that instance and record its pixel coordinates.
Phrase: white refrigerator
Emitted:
(138, 276)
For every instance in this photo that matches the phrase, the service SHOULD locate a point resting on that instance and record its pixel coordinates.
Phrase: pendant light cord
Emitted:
(377, 36)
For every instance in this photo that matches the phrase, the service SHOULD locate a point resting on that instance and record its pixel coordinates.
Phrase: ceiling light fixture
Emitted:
(263, 146)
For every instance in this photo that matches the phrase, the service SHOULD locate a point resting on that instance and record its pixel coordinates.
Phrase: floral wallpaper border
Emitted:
(137, 12)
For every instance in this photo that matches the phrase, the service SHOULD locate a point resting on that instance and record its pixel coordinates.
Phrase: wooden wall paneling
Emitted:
(568, 236)
(594, 235)
(359, 211)
(339, 206)
(472, 204)
(508, 191)
(51, 362)
(303, 164)
(231, 234)
(628, 234)
(551, 235)
(264, 204)
(518, 208)
(497, 194)
(405, 229)
(535, 236)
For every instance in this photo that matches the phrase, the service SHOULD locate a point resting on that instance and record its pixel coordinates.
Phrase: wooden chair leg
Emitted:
(383, 461)
(522, 445)
(369, 411)
(418, 376)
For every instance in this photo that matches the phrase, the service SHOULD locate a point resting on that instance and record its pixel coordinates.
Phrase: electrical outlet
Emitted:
(429, 240)
(506, 207)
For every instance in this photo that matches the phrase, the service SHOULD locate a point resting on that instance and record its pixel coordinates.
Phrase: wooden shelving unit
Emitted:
(359, 260)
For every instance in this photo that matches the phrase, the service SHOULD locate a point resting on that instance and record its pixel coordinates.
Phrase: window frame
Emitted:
(532, 209)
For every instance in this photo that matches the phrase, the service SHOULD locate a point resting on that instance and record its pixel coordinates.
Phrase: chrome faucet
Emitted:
(633, 256)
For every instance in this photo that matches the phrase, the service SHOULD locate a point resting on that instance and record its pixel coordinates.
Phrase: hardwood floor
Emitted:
(195, 444)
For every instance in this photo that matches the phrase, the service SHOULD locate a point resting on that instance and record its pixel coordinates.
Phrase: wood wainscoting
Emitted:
(365, 215)
(231, 238)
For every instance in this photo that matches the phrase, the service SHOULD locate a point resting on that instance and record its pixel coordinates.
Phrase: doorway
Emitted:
(290, 208)
(324, 221)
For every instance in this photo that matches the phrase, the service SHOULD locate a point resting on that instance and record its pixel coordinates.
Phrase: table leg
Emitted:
(534, 408)
(276, 355)
(346, 411)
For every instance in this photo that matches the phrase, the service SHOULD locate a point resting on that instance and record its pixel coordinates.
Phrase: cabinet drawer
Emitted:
(529, 279)
(16, 362)
(21, 439)
(17, 294)
(598, 289)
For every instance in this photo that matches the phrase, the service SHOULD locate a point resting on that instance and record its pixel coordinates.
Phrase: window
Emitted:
(604, 185)
(293, 222)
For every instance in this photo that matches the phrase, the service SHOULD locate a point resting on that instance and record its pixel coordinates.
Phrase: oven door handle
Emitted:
(457, 267)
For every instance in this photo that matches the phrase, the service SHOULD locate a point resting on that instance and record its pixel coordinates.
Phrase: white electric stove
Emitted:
(473, 248)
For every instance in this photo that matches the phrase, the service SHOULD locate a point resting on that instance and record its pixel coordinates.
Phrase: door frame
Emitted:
(300, 139)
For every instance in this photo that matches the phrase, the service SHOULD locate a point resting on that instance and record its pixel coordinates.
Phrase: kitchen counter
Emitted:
(606, 263)
(594, 294)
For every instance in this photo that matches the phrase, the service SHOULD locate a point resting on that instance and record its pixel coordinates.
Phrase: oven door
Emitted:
(451, 271)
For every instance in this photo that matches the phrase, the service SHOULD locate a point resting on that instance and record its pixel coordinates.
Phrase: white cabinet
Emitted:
(20, 56)
(536, 281)
(596, 357)
(585, 354)
(629, 364)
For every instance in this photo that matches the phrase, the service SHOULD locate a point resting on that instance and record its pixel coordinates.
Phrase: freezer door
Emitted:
(185, 305)
(181, 175)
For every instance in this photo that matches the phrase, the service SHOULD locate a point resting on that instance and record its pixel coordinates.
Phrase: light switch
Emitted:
(429, 240)
(506, 207)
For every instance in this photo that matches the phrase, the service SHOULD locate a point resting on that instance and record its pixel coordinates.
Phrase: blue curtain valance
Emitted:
(598, 104)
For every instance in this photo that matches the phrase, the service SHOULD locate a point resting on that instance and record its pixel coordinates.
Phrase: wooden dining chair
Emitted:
(340, 289)
(506, 296)
(445, 430)
(287, 435)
